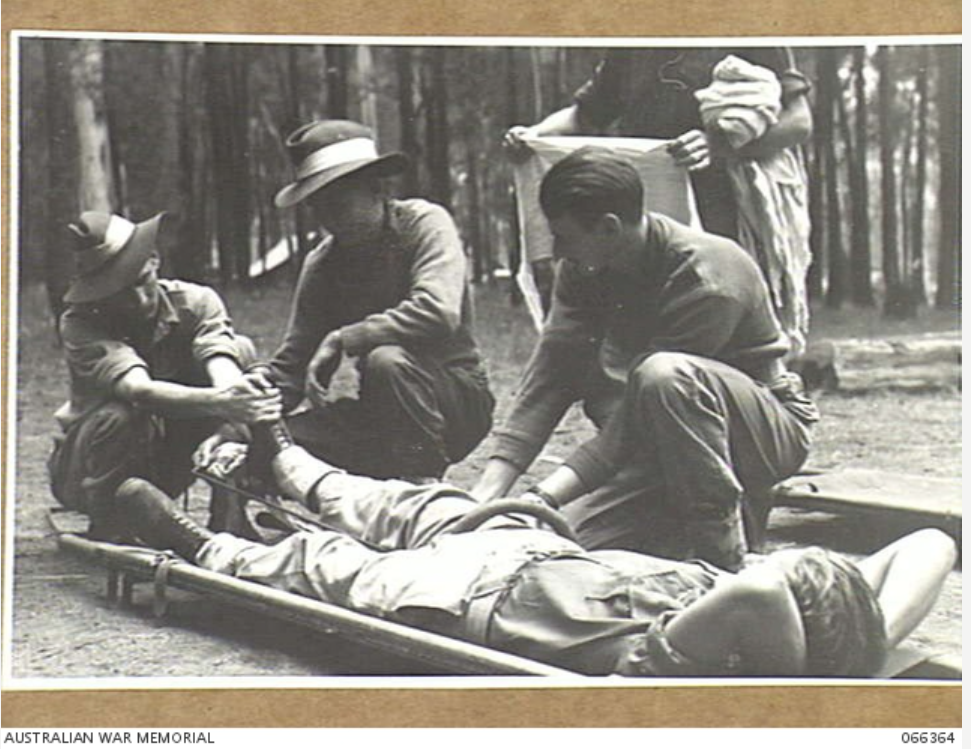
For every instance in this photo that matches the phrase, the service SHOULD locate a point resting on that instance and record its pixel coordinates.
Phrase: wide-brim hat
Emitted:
(324, 151)
(110, 252)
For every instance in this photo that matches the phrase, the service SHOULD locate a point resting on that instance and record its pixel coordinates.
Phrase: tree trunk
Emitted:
(512, 118)
(918, 291)
(194, 259)
(828, 92)
(367, 86)
(480, 263)
(225, 87)
(894, 303)
(335, 58)
(90, 120)
(407, 115)
(817, 201)
(169, 192)
(295, 119)
(861, 284)
(61, 202)
(948, 295)
(536, 76)
(436, 129)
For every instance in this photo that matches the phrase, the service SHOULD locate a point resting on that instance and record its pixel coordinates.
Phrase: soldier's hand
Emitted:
(691, 150)
(322, 366)
(514, 141)
(243, 401)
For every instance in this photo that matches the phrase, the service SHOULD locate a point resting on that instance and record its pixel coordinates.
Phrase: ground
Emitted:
(63, 626)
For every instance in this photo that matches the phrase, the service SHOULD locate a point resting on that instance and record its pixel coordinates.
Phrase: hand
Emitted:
(322, 366)
(225, 459)
(514, 141)
(259, 376)
(691, 150)
(205, 453)
(246, 402)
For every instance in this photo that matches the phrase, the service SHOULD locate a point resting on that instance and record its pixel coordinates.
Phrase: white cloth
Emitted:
(667, 190)
(743, 101)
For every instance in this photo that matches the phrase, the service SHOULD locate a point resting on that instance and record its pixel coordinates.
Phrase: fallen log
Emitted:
(918, 362)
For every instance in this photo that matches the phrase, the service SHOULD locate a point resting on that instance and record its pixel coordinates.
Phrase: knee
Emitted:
(386, 363)
(118, 421)
(132, 487)
(663, 372)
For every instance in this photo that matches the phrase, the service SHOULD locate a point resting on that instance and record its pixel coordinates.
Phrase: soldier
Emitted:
(397, 550)
(668, 337)
(386, 285)
(155, 368)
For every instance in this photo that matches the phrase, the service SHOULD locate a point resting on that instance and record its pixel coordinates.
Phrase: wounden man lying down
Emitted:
(514, 586)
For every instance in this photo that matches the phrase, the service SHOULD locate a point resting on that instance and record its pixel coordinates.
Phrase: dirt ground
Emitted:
(63, 626)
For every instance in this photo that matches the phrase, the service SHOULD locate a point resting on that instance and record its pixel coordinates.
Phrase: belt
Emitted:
(478, 615)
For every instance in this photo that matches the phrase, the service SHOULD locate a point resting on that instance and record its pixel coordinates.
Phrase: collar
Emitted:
(383, 238)
(167, 317)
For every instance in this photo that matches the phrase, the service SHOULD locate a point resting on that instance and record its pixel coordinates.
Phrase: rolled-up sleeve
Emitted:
(652, 654)
(213, 334)
(95, 359)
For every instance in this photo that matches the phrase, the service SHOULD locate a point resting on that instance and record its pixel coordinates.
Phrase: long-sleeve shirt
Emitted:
(408, 288)
(688, 291)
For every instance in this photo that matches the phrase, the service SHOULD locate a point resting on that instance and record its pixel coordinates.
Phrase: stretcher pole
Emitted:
(450, 655)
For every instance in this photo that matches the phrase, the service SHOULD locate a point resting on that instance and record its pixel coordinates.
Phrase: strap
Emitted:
(162, 564)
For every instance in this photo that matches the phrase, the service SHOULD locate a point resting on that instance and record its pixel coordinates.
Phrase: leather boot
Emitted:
(157, 521)
(269, 438)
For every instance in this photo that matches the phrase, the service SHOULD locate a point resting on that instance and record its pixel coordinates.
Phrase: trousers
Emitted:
(117, 441)
(691, 439)
(391, 554)
(413, 417)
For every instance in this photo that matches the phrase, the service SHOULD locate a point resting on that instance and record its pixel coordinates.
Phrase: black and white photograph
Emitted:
(391, 360)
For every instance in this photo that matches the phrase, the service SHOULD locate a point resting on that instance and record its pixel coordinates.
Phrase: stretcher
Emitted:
(128, 566)
(923, 501)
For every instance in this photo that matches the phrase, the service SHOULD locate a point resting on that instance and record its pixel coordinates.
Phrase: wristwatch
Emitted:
(543, 495)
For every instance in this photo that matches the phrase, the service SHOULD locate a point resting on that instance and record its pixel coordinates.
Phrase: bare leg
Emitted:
(907, 577)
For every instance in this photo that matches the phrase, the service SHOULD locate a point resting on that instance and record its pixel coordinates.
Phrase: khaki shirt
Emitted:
(191, 326)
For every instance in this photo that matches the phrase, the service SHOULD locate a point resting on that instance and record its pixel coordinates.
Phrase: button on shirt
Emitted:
(191, 326)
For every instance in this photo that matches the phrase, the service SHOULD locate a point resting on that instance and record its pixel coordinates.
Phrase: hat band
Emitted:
(117, 233)
(343, 152)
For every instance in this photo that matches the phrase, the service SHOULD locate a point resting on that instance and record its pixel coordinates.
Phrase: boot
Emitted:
(269, 438)
(157, 521)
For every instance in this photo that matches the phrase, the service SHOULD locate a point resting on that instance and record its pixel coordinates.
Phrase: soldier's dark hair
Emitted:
(845, 633)
(589, 183)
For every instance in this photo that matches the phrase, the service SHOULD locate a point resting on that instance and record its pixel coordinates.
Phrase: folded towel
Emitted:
(743, 100)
